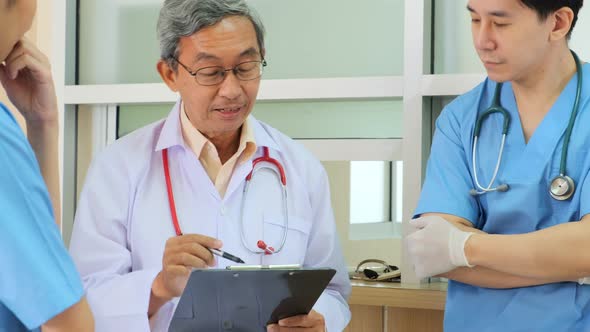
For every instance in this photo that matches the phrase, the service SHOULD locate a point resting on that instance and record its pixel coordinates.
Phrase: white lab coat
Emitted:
(123, 221)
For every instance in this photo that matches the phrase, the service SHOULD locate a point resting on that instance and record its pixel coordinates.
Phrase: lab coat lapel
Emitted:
(190, 181)
(197, 176)
(171, 134)
(238, 177)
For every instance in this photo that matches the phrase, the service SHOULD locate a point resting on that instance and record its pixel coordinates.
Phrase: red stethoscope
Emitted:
(279, 172)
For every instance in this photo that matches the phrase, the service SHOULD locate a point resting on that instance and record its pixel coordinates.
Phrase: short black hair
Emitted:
(546, 7)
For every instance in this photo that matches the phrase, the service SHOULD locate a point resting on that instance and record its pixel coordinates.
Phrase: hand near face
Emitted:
(26, 77)
(181, 255)
(312, 322)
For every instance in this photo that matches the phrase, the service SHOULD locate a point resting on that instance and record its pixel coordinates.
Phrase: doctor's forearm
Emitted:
(560, 252)
(487, 278)
(155, 304)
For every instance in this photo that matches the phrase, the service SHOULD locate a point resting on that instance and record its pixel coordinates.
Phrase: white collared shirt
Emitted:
(219, 173)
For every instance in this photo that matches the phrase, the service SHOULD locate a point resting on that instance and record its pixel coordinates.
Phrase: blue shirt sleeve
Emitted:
(38, 279)
(448, 177)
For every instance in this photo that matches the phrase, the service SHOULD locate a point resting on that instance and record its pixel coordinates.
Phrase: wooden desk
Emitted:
(395, 307)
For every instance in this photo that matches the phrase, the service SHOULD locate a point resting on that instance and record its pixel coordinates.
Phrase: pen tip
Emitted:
(241, 261)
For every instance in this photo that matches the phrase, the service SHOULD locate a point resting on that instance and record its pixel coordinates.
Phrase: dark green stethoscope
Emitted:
(562, 187)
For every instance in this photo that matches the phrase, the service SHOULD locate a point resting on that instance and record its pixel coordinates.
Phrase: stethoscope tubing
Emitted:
(496, 107)
(285, 212)
(489, 186)
(280, 173)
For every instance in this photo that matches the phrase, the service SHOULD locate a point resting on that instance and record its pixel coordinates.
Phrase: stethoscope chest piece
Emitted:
(562, 187)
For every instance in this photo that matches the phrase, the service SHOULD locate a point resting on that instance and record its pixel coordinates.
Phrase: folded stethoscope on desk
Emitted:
(562, 187)
(375, 270)
(265, 162)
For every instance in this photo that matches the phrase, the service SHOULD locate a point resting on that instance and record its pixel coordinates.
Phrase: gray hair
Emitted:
(183, 18)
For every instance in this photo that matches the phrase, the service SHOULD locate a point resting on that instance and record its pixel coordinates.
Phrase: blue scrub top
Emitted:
(38, 279)
(526, 207)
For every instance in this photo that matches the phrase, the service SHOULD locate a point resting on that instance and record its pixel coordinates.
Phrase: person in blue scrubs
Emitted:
(516, 257)
(39, 285)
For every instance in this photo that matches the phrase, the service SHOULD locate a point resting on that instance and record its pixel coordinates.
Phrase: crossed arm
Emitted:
(556, 254)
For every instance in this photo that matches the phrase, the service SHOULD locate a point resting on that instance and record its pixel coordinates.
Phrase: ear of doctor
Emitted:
(436, 246)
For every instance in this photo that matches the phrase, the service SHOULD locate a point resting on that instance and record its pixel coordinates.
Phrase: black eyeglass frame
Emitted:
(234, 70)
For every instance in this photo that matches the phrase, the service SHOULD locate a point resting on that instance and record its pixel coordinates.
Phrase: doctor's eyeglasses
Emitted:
(245, 71)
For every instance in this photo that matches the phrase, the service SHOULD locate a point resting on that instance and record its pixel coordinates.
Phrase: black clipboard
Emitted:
(247, 300)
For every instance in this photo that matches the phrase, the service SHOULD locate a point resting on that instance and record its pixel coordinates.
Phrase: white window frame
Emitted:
(412, 87)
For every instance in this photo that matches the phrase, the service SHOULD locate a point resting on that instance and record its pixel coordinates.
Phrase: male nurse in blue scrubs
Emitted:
(513, 240)
(39, 285)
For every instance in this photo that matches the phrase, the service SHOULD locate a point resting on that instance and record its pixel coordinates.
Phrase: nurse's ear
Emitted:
(561, 21)
(168, 74)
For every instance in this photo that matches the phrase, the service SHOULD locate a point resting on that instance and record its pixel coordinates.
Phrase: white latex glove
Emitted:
(437, 247)
(584, 281)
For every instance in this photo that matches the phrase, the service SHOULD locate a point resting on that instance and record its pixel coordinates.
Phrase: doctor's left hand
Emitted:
(312, 322)
(436, 247)
(26, 77)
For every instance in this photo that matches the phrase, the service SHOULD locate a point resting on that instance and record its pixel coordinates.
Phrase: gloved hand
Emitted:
(584, 281)
(437, 247)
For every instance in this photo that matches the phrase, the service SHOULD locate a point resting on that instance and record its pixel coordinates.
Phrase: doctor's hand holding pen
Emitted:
(181, 254)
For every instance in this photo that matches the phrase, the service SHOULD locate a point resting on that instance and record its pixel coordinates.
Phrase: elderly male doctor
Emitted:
(133, 263)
